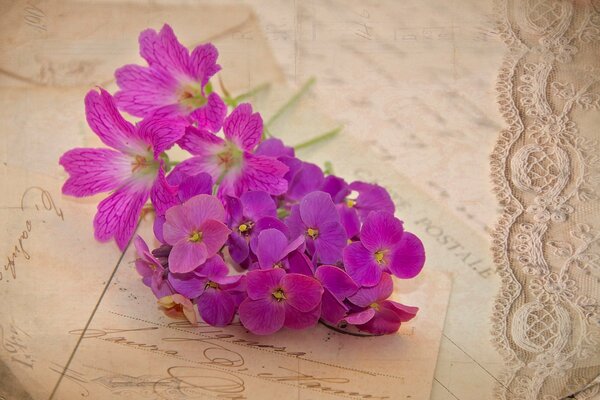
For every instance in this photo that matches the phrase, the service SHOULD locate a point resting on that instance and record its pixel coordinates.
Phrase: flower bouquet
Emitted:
(245, 227)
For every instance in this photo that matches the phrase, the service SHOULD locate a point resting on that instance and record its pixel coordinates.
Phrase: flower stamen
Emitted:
(313, 233)
(279, 295)
(195, 237)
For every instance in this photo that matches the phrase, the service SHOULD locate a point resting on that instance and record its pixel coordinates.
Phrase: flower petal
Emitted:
(369, 295)
(336, 281)
(191, 186)
(161, 132)
(371, 197)
(216, 307)
(308, 179)
(119, 213)
(299, 263)
(317, 208)
(384, 322)
(211, 115)
(163, 195)
(214, 268)
(361, 317)
(404, 312)
(361, 265)
(214, 235)
(330, 242)
(381, 231)
(271, 244)
(203, 62)
(178, 225)
(301, 291)
(408, 257)
(204, 207)
(264, 173)
(94, 171)
(349, 220)
(106, 121)
(332, 310)
(336, 187)
(201, 142)
(163, 50)
(262, 283)
(262, 316)
(296, 319)
(189, 284)
(258, 204)
(238, 247)
(186, 256)
(243, 127)
(143, 90)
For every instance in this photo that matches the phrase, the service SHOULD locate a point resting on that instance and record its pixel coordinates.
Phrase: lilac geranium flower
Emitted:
(317, 219)
(377, 314)
(217, 294)
(273, 247)
(244, 214)
(276, 299)
(338, 287)
(383, 246)
(174, 83)
(231, 161)
(133, 171)
(196, 231)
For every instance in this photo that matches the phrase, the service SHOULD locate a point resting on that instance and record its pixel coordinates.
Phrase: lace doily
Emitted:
(546, 172)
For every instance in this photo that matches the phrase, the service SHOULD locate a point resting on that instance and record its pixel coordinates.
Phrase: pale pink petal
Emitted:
(243, 128)
(198, 165)
(178, 225)
(262, 316)
(186, 256)
(163, 50)
(204, 207)
(119, 213)
(94, 171)
(301, 291)
(106, 121)
(214, 235)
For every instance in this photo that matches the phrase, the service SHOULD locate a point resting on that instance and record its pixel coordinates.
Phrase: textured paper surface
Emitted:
(411, 81)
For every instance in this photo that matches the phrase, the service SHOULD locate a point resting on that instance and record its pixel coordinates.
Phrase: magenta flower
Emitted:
(182, 188)
(217, 295)
(338, 287)
(244, 214)
(276, 299)
(133, 171)
(371, 197)
(231, 162)
(196, 231)
(317, 219)
(150, 269)
(383, 246)
(307, 178)
(175, 82)
(273, 247)
(379, 315)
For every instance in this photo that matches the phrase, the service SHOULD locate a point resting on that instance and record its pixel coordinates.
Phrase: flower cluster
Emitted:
(244, 226)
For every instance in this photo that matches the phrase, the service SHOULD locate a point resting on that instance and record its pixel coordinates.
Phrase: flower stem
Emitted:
(291, 101)
(318, 139)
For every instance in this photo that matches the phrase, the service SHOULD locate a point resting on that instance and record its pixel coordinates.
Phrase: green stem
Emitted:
(291, 101)
(318, 139)
(251, 92)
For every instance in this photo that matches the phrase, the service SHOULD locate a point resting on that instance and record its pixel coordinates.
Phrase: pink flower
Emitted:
(231, 162)
(175, 82)
(133, 170)
(178, 307)
(196, 231)
(379, 315)
(276, 299)
(150, 269)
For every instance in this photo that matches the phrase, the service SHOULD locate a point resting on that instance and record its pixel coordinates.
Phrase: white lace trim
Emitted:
(545, 169)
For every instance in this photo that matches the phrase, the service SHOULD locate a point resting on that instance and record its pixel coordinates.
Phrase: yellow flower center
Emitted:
(195, 237)
(278, 265)
(191, 97)
(279, 295)
(379, 256)
(243, 228)
(313, 233)
(350, 203)
(375, 306)
(211, 284)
